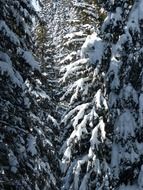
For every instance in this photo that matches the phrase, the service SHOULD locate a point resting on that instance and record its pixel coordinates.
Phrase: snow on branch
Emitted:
(5, 31)
(29, 59)
(93, 49)
(72, 68)
(6, 67)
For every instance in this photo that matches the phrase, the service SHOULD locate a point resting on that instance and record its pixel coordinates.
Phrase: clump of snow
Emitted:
(114, 70)
(141, 109)
(79, 130)
(128, 92)
(80, 114)
(69, 57)
(77, 171)
(29, 59)
(140, 179)
(6, 67)
(106, 21)
(81, 110)
(123, 39)
(125, 125)
(93, 49)
(84, 182)
(5, 30)
(113, 99)
(79, 85)
(31, 145)
(113, 18)
(129, 187)
(140, 10)
(66, 159)
(13, 161)
(93, 116)
(133, 21)
(67, 153)
(100, 101)
(54, 121)
(72, 68)
(36, 5)
(71, 41)
(74, 34)
(27, 102)
(41, 94)
(94, 141)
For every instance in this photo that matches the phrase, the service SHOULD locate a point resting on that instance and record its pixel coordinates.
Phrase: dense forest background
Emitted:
(71, 95)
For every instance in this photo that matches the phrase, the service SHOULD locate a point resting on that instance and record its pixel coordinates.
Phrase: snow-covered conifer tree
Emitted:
(85, 149)
(26, 122)
(122, 30)
(103, 126)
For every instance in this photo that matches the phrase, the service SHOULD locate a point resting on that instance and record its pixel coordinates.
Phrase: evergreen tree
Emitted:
(26, 122)
(98, 45)
(123, 32)
(84, 138)
(102, 127)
